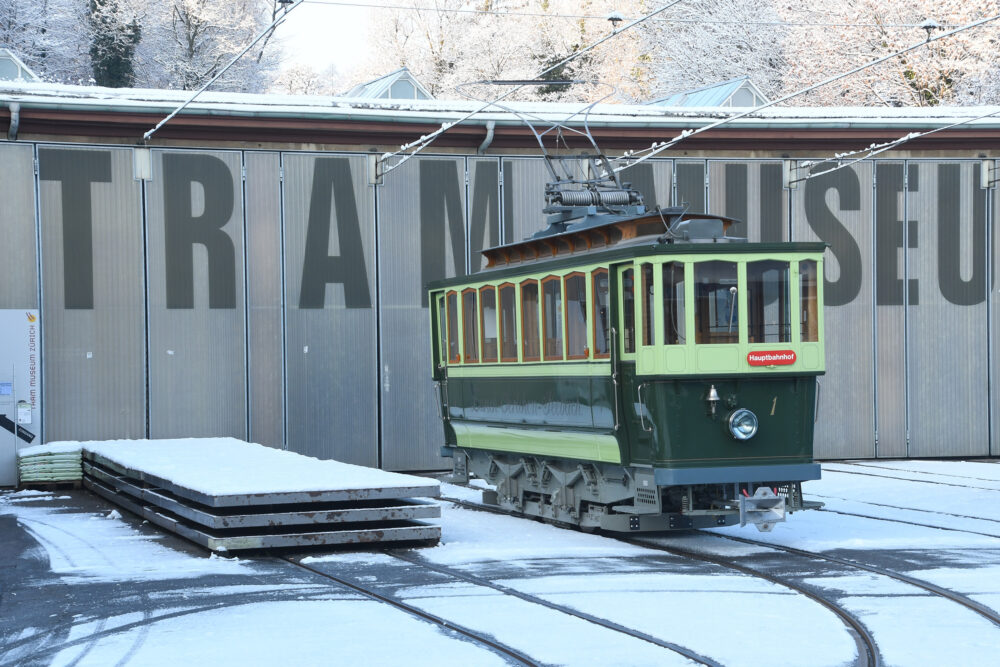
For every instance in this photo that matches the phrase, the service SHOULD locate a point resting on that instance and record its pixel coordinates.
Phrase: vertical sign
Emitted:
(20, 387)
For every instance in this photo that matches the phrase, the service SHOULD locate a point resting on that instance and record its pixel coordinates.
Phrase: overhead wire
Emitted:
(265, 34)
(426, 140)
(876, 149)
(655, 149)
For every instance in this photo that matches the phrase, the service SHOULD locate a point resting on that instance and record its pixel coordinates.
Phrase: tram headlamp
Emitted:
(742, 424)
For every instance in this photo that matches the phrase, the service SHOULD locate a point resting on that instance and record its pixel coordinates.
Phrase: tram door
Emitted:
(627, 347)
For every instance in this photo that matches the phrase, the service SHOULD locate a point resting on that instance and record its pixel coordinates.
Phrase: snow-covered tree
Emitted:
(855, 32)
(302, 79)
(115, 32)
(697, 44)
(186, 42)
(46, 35)
(449, 44)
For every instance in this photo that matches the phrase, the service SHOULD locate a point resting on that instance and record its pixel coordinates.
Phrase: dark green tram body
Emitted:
(635, 426)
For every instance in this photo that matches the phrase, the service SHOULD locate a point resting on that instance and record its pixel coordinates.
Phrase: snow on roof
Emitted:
(154, 101)
(713, 95)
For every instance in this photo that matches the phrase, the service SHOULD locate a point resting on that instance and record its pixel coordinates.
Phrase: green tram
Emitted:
(635, 371)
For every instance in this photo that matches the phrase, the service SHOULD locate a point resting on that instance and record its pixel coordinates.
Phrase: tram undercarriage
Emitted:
(616, 498)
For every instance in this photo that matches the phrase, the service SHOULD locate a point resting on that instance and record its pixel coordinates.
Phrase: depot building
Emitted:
(254, 270)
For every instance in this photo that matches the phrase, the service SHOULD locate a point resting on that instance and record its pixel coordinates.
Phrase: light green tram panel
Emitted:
(764, 319)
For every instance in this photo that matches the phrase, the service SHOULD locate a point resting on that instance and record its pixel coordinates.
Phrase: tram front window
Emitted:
(673, 303)
(716, 296)
(628, 311)
(768, 304)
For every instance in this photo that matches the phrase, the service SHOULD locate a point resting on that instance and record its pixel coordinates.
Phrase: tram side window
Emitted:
(552, 314)
(769, 316)
(648, 326)
(442, 322)
(673, 303)
(716, 316)
(808, 281)
(488, 322)
(601, 312)
(470, 315)
(529, 320)
(576, 316)
(628, 310)
(454, 355)
(508, 324)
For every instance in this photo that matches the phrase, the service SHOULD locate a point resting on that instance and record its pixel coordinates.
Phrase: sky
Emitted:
(321, 34)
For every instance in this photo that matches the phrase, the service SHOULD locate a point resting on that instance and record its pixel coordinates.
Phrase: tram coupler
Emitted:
(763, 509)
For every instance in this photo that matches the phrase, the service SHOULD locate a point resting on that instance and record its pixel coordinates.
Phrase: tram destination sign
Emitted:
(771, 358)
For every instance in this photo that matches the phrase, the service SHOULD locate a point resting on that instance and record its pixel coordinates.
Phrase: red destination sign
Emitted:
(771, 358)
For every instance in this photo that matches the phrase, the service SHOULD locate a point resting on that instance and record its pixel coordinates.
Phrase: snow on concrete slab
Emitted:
(228, 467)
(343, 632)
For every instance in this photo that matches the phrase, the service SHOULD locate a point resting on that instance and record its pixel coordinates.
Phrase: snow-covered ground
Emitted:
(82, 584)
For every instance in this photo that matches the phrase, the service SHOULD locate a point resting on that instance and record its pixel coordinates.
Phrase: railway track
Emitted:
(479, 638)
(957, 598)
(916, 472)
(910, 479)
(908, 523)
(506, 590)
(867, 649)
(907, 509)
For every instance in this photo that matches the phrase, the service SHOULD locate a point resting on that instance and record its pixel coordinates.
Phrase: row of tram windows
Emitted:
(558, 318)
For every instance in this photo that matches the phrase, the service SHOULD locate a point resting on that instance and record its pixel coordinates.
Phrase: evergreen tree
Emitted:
(112, 47)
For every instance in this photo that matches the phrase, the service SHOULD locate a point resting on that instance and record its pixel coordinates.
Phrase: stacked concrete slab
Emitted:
(229, 495)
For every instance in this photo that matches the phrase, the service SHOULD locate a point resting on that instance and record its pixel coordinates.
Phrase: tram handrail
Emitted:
(642, 409)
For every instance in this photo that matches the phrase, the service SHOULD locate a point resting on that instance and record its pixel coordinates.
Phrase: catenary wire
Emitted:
(875, 149)
(659, 148)
(278, 20)
(426, 140)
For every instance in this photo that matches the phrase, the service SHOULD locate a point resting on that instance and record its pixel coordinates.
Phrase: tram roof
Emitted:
(619, 253)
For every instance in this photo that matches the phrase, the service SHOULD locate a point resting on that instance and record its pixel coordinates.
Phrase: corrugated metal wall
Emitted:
(837, 208)
(993, 303)
(945, 334)
(422, 237)
(19, 287)
(93, 310)
(196, 296)
(265, 320)
(279, 296)
(331, 338)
